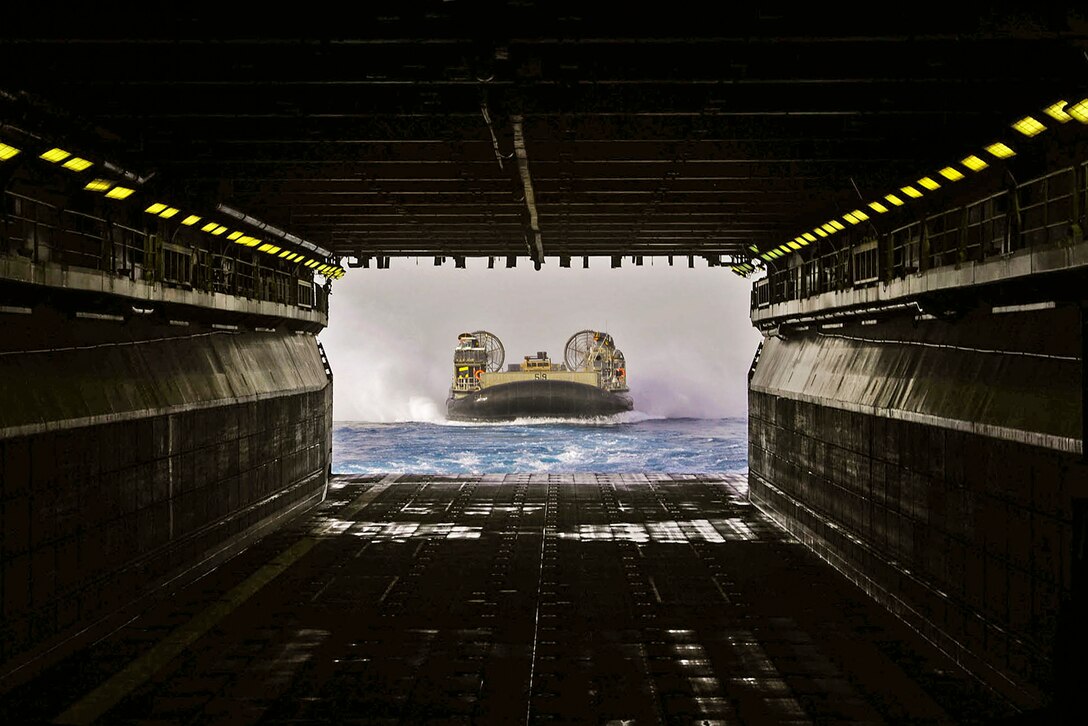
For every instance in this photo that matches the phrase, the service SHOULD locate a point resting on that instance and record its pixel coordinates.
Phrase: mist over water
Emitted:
(685, 332)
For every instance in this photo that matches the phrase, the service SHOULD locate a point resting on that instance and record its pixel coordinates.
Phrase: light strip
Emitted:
(120, 193)
(234, 235)
(910, 191)
(809, 236)
(974, 163)
(98, 185)
(878, 207)
(794, 246)
(1000, 150)
(1079, 111)
(837, 224)
(55, 155)
(190, 220)
(219, 230)
(209, 227)
(168, 212)
(6, 152)
(820, 232)
(894, 200)
(241, 216)
(928, 183)
(155, 208)
(951, 174)
(77, 164)
(1057, 112)
(1029, 126)
(862, 216)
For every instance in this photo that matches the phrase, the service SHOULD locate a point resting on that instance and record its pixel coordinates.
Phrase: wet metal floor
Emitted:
(599, 599)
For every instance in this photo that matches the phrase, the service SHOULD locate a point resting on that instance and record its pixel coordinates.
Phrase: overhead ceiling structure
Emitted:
(541, 129)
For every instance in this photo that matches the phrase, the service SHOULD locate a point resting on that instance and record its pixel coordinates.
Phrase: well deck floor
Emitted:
(515, 599)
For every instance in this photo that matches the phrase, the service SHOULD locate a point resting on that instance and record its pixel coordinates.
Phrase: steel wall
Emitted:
(938, 471)
(127, 465)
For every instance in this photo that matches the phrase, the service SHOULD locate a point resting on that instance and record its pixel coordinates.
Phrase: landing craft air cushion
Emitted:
(591, 381)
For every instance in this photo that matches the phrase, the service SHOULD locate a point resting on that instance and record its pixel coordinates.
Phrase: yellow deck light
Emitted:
(1000, 150)
(219, 230)
(7, 152)
(894, 200)
(190, 220)
(820, 232)
(951, 174)
(849, 217)
(827, 227)
(928, 183)
(974, 163)
(234, 235)
(155, 208)
(837, 224)
(77, 164)
(862, 216)
(794, 245)
(120, 193)
(878, 207)
(1057, 112)
(809, 236)
(55, 155)
(209, 227)
(168, 212)
(910, 191)
(1079, 111)
(1029, 126)
(98, 185)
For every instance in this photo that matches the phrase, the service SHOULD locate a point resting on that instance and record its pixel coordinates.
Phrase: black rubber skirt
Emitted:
(537, 399)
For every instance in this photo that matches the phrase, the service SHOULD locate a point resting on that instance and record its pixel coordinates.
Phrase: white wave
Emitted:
(613, 420)
(637, 417)
(575, 455)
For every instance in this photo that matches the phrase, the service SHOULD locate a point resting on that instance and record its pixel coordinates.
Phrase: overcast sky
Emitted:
(685, 332)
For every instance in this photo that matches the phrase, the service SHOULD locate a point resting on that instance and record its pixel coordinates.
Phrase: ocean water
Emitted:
(615, 444)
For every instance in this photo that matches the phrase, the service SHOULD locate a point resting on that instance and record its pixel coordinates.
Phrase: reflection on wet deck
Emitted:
(612, 599)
